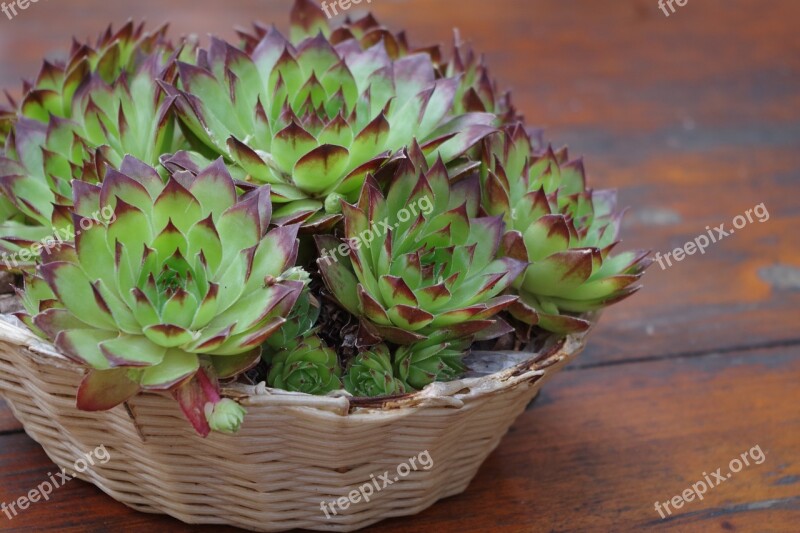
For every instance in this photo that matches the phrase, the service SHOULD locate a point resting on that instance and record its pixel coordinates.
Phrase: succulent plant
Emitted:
(476, 90)
(420, 364)
(101, 106)
(419, 262)
(116, 55)
(224, 416)
(434, 211)
(313, 119)
(370, 374)
(565, 230)
(308, 366)
(185, 276)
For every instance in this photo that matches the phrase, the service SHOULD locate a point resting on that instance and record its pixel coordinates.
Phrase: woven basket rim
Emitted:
(452, 394)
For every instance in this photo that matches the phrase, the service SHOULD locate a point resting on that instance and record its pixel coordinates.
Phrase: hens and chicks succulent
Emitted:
(217, 199)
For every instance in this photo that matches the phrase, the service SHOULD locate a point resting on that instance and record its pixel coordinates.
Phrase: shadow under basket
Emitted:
(293, 452)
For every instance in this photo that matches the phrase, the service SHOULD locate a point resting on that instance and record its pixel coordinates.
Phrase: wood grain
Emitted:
(8, 424)
(696, 117)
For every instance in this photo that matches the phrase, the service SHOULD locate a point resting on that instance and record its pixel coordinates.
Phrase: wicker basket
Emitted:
(294, 451)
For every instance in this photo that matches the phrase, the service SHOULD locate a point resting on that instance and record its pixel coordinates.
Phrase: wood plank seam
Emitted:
(687, 354)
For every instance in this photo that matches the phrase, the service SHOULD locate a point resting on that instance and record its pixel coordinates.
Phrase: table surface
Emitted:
(696, 118)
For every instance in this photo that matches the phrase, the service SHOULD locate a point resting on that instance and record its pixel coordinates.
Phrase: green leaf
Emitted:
(177, 204)
(335, 269)
(170, 241)
(250, 161)
(168, 335)
(131, 192)
(143, 309)
(180, 309)
(276, 252)
(84, 346)
(371, 141)
(176, 367)
(214, 189)
(546, 236)
(207, 309)
(132, 351)
(122, 314)
(77, 294)
(239, 228)
(230, 366)
(290, 144)
(252, 309)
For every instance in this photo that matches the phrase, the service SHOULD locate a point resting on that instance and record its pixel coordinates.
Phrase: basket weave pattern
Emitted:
(293, 452)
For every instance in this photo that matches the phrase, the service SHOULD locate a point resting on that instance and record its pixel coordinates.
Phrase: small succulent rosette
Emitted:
(308, 366)
(371, 374)
(419, 262)
(565, 230)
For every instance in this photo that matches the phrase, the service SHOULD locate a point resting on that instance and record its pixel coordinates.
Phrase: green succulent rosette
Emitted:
(226, 416)
(419, 261)
(79, 117)
(312, 118)
(566, 231)
(420, 364)
(183, 275)
(370, 374)
(476, 91)
(309, 366)
(114, 53)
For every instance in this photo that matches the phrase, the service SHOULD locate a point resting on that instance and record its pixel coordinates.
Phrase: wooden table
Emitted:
(696, 118)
